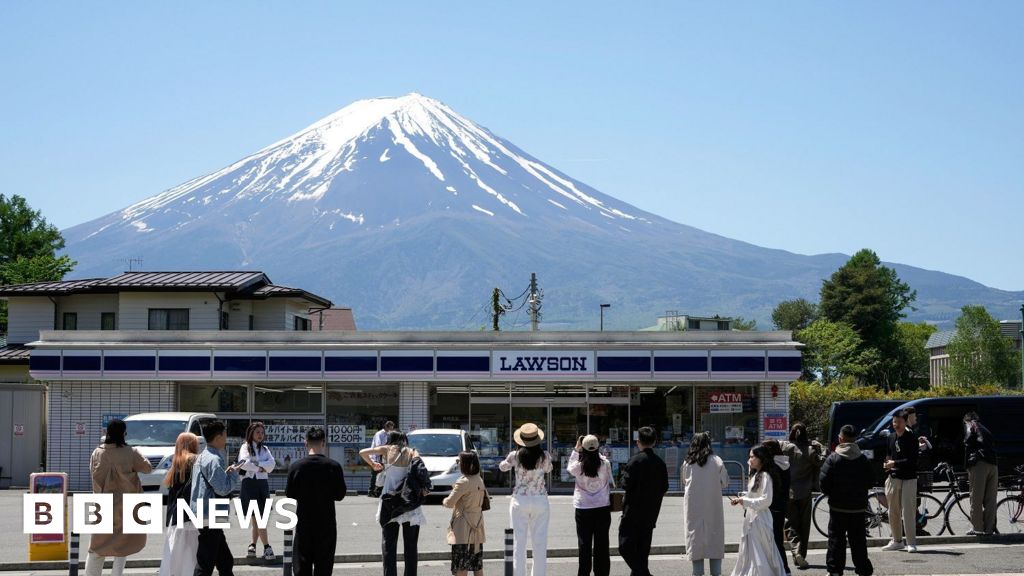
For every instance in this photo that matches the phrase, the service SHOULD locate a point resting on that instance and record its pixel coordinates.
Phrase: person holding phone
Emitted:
(256, 462)
(210, 479)
(592, 501)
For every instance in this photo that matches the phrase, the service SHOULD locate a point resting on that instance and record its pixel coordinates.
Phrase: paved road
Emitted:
(969, 559)
(359, 533)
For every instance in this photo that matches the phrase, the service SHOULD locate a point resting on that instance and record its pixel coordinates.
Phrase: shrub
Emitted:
(809, 402)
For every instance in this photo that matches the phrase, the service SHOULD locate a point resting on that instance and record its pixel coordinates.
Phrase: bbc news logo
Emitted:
(144, 513)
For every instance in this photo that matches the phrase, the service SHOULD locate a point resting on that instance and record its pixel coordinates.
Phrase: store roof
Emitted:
(236, 284)
(14, 354)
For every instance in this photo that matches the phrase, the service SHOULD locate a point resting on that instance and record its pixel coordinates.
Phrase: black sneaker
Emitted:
(251, 551)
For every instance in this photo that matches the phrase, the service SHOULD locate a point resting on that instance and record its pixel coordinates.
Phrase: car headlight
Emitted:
(165, 463)
(454, 468)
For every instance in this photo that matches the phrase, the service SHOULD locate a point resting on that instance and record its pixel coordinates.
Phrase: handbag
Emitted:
(617, 500)
(486, 504)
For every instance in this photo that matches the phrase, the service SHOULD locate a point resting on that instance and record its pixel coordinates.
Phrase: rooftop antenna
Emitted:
(132, 263)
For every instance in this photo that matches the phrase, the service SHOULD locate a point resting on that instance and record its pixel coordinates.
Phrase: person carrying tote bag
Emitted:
(466, 529)
(181, 542)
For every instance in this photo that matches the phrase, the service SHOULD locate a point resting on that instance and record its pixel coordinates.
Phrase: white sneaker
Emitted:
(893, 545)
(911, 549)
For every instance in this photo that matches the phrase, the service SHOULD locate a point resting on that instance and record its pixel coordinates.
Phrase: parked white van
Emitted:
(439, 448)
(153, 434)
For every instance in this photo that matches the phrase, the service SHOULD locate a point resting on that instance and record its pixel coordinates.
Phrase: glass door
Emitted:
(565, 425)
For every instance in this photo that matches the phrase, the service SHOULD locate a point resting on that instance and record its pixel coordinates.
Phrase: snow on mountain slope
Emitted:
(412, 214)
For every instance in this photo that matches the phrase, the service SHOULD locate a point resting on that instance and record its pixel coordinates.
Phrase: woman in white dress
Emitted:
(758, 555)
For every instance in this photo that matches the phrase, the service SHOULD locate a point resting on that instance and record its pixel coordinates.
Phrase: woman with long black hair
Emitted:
(703, 477)
(758, 555)
(257, 462)
(592, 502)
(399, 462)
(529, 510)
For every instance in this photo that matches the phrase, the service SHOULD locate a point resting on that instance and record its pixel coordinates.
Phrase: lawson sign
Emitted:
(547, 363)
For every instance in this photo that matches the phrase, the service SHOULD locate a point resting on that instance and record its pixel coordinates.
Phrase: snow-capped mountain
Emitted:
(412, 213)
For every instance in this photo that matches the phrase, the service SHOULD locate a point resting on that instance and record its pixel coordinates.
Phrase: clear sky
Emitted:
(807, 126)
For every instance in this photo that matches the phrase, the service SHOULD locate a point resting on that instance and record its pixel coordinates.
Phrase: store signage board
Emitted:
(776, 425)
(542, 362)
(726, 403)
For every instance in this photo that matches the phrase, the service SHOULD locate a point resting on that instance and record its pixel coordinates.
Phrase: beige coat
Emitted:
(466, 499)
(115, 470)
(702, 501)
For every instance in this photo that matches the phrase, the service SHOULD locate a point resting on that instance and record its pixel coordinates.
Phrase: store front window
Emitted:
(289, 398)
(215, 398)
(355, 412)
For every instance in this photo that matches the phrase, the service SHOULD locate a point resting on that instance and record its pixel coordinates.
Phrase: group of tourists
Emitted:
(776, 503)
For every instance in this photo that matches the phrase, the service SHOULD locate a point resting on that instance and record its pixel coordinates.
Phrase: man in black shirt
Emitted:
(982, 473)
(316, 482)
(846, 478)
(901, 485)
(645, 480)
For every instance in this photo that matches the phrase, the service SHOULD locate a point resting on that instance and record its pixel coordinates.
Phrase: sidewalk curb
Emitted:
(497, 554)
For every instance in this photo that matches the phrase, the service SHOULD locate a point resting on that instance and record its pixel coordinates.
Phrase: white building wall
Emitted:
(26, 316)
(238, 314)
(71, 403)
(88, 307)
(270, 314)
(413, 405)
(133, 311)
(295, 308)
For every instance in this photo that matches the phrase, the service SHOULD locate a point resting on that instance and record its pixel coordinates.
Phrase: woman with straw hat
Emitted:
(529, 510)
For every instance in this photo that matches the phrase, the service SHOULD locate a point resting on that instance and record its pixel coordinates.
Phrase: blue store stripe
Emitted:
(680, 363)
(737, 364)
(623, 363)
(129, 363)
(406, 363)
(50, 363)
(463, 364)
(294, 363)
(784, 364)
(240, 363)
(185, 363)
(82, 363)
(350, 363)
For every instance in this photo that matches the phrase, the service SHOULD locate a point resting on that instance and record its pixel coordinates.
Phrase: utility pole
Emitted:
(535, 297)
(496, 308)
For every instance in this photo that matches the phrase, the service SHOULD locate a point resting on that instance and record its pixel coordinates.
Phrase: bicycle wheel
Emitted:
(1010, 515)
(928, 509)
(958, 515)
(820, 514)
(877, 520)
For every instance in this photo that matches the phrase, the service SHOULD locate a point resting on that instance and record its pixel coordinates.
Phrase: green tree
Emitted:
(833, 350)
(871, 299)
(908, 367)
(740, 323)
(794, 314)
(28, 247)
(979, 353)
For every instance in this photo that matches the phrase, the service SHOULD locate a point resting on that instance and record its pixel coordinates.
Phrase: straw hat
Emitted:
(528, 435)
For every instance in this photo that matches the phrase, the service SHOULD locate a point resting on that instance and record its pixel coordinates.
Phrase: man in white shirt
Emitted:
(379, 439)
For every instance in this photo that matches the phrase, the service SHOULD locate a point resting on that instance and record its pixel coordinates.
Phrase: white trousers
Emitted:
(94, 565)
(530, 516)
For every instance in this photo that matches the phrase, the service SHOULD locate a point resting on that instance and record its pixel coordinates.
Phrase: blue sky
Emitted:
(811, 127)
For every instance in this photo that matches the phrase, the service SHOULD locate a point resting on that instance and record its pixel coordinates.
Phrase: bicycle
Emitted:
(956, 518)
(1010, 510)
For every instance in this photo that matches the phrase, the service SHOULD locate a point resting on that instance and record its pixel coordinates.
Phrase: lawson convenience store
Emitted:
(733, 384)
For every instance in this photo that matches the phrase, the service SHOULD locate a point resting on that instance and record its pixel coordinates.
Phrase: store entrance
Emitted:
(493, 420)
